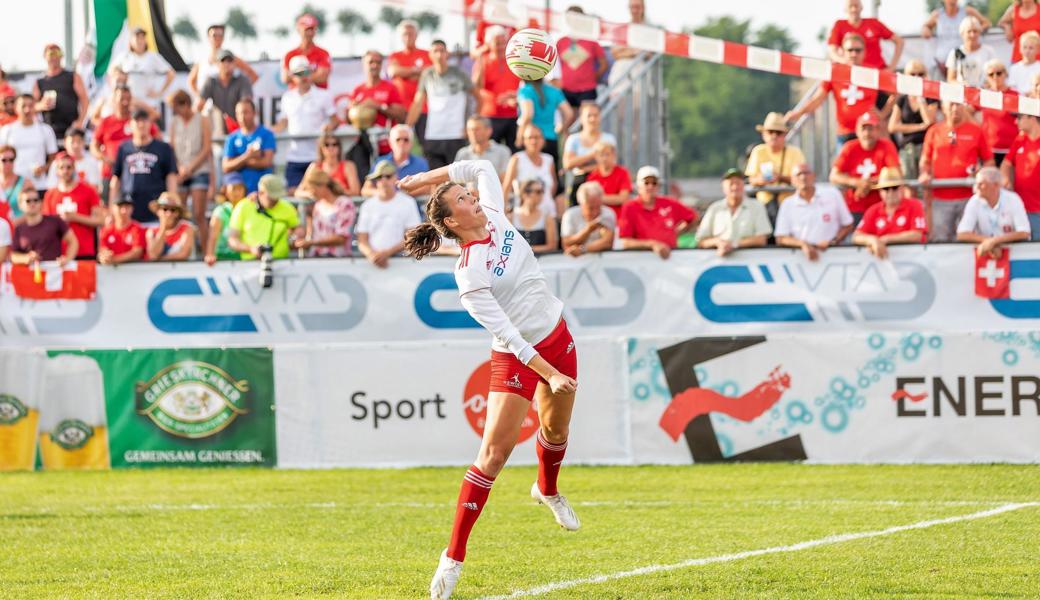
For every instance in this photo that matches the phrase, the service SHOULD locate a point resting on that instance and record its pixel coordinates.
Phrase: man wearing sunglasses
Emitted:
(400, 156)
(772, 162)
(306, 110)
(653, 222)
(39, 237)
(384, 218)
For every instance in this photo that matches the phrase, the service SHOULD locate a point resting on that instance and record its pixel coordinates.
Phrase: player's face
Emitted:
(466, 212)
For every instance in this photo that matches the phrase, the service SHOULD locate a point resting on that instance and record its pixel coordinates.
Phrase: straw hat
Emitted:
(774, 122)
(890, 177)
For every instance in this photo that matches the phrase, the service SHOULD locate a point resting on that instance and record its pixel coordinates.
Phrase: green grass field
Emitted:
(377, 534)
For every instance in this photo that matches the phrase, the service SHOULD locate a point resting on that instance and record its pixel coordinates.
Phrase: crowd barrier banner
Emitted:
(694, 293)
(21, 382)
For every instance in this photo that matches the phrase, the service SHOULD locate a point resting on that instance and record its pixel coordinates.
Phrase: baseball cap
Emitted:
(272, 185)
(868, 118)
(383, 167)
(647, 171)
(124, 199)
(298, 65)
(732, 172)
(224, 54)
(307, 20)
(234, 178)
(141, 113)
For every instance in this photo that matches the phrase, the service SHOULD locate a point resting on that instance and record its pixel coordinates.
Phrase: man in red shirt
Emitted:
(860, 162)
(897, 219)
(405, 67)
(77, 203)
(1021, 169)
(582, 63)
(111, 132)
(652, 222)
(612, 177)
(318, 57)
(122, 240)
(872, 31)
(953, 149)
(496, 87)
(380, 95)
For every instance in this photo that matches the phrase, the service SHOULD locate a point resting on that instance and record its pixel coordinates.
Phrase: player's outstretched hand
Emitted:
(561, 384)
(411, 183)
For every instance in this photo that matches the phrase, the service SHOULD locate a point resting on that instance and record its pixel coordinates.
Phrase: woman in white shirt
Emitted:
(966, 63)
(532, 163)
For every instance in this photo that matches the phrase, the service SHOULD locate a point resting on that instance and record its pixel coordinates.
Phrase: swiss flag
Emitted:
(75, 281)
(993, 275)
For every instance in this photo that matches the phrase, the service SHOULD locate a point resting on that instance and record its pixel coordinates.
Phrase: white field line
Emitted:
(699, 562)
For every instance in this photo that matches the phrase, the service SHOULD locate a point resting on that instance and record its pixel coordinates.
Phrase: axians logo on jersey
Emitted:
(504, 253)
(474, 403)
(192, 399)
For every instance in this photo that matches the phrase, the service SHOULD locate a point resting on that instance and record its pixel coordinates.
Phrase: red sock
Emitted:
(549, 458)
(474, 494)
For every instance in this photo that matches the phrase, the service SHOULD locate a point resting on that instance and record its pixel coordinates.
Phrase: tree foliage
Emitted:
(318, 13)
(390, 16)
(184, 28)
(993, 9)
(241, 24)
(282, 31)
(427, 20)
(351, 22)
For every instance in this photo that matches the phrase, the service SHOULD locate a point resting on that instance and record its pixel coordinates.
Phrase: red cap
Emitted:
(62, 156)
(307, 20)
(868, 118)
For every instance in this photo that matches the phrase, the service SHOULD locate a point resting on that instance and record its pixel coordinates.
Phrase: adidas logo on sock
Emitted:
(470, 505)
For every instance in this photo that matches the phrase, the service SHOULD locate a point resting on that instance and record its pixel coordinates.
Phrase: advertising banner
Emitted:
(21, 380)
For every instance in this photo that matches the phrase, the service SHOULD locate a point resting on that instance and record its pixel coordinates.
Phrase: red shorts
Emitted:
(511, 376)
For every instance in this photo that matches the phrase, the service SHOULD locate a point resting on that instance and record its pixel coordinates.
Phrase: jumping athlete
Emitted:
(532, 357)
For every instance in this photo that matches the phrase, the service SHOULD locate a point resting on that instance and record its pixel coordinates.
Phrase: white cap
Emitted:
(299, 64)
(647, 171)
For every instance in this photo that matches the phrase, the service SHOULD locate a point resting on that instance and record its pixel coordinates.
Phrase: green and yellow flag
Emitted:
(114, 18)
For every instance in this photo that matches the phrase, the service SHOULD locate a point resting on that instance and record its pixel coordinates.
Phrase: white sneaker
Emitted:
(446, 577)
(560, 508)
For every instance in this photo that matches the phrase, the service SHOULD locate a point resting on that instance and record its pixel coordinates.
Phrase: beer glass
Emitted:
(73, 427)
(21, 374)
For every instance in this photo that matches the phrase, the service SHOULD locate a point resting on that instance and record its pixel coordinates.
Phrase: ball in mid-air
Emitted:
(531, 54)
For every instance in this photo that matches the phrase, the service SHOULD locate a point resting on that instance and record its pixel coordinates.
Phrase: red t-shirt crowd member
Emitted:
(855, 161)
(1025, 157)
(871, 30)
(122, 240)
(175, 238)
(1020, 25)
(382, 93)
(317, 56)
(578, 60)
(498, 80)
(81, 199)
(657, 223)
(111, 132)
(1000, 127)
(955, 153)
(908, 216)
(406, 88)
(616, 182)
(851, 102)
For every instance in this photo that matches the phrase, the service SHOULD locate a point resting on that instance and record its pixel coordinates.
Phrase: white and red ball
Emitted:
(531, 54)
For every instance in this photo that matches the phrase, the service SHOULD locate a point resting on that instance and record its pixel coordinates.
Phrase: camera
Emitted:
(266, 270)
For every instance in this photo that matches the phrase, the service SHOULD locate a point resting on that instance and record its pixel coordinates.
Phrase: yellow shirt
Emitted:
(255, 228)
(762, 155)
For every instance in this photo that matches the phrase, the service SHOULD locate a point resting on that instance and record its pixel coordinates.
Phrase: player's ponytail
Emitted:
(425, 238)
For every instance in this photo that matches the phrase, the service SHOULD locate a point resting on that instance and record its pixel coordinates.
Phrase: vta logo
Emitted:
(474, 404)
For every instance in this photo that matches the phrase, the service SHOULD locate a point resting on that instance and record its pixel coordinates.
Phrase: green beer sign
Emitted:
(192, 399)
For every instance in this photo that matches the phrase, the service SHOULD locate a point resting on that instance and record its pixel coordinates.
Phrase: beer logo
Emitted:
(11, 409)
(72, 434)
(192, 399)
(474, 404)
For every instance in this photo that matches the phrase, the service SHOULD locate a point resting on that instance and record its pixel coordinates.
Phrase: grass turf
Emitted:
(377, 534)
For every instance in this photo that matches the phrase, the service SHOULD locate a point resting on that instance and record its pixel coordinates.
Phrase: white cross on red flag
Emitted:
(993, 275)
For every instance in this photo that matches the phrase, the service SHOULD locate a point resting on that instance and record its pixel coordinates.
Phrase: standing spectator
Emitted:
(331, 161)
(1020, 76)
(145, 167)
(108, 104)
(88, 169)
(8, 114)
(250, 148)
(589, 226)
(860, 162)
(379, 94)
(998, 125)
(149, 75)
(5, 240)
(400, 156)
(1020, 17)
(208, 66)
(910, 120)
(307, 110)
(191, 137)
(330, 225)
(123, 239)
(871, 30)
(772, 162)
(532, 163)
(226, 88)
(582, 63)
(317, 57)
(531, 220)
(405, 68)
(652, 222)
(967, 63)
(813, 219)
(733, 223)
(579, 152)
(482, 147)
(385, 217)
(110, 134)
(34, 142)
(76, 203)
(1021, 168)
(39, 237)
(61, 97)
(624, 56)
(11, 183)
(497, 88)
(615, 179)
(944, 25)
(448, 91)
(897, 219)
(5, 86)
(216, 246)
(993, 216)
(539, 103)
(264, 219)
(173, 239)
(953, 149)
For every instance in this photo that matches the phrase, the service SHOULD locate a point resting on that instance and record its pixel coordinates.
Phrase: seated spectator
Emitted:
(123, 239)
(448, 91)
(173, 239)
(330, 225)
(579, 154)
(482, 147)
(331, 161)
(897, 219)
(404, 162)
(318, 58)
(88, 169)
(943, 25)
(998, 125)
(772, 162)
(871, 30)
(953, 149)
(385, 217)
(405, 67)
(191, 137)
(12, 184)
(1020, 17)
(250, 148)
(539, 102)
(860, 162)
(264, 220)
(61, 97)
(226, 88)
(145, 167)
(217, 247)
(149, 75)
(35, 143)
(589, 226)
(910, 120)
(813, 219)
(531, 220)
(532, 163)
(581, 64)
(612, 177)
(733, 223)
(967, 63)
(76, 203)
(994, 216)
(653, 222)
(39, 237)
(1020, 75)
(5, 240)
(497, 88)
(306, 110)
(380, 95)
(209, 66)
(1021, 169)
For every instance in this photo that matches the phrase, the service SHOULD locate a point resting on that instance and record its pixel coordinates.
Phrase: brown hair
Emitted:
(179, 97)
(316, 176)
(425, 238)
(325, 137)
(6, 149)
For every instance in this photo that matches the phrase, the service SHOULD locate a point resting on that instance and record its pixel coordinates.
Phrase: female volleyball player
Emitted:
(532, 356)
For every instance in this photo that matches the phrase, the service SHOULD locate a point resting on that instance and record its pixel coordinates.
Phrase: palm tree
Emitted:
(390, 16)
(427, 20)
(184, 28)
(282, 32)
(241, 24)
(352, 22)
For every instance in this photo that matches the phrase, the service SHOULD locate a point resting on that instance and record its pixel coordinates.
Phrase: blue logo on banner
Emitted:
(1020, 309)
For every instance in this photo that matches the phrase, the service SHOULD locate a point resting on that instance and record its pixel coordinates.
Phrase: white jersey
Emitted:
(499, 280)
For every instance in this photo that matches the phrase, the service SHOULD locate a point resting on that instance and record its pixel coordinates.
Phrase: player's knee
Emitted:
(555, 434)
(493, 459)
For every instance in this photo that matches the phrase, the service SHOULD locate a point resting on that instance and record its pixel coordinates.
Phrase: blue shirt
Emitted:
(142, 172)
(544, 112)
(413, 166)
(238, 142)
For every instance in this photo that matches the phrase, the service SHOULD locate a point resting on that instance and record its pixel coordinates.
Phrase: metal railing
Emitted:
(962, 182)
